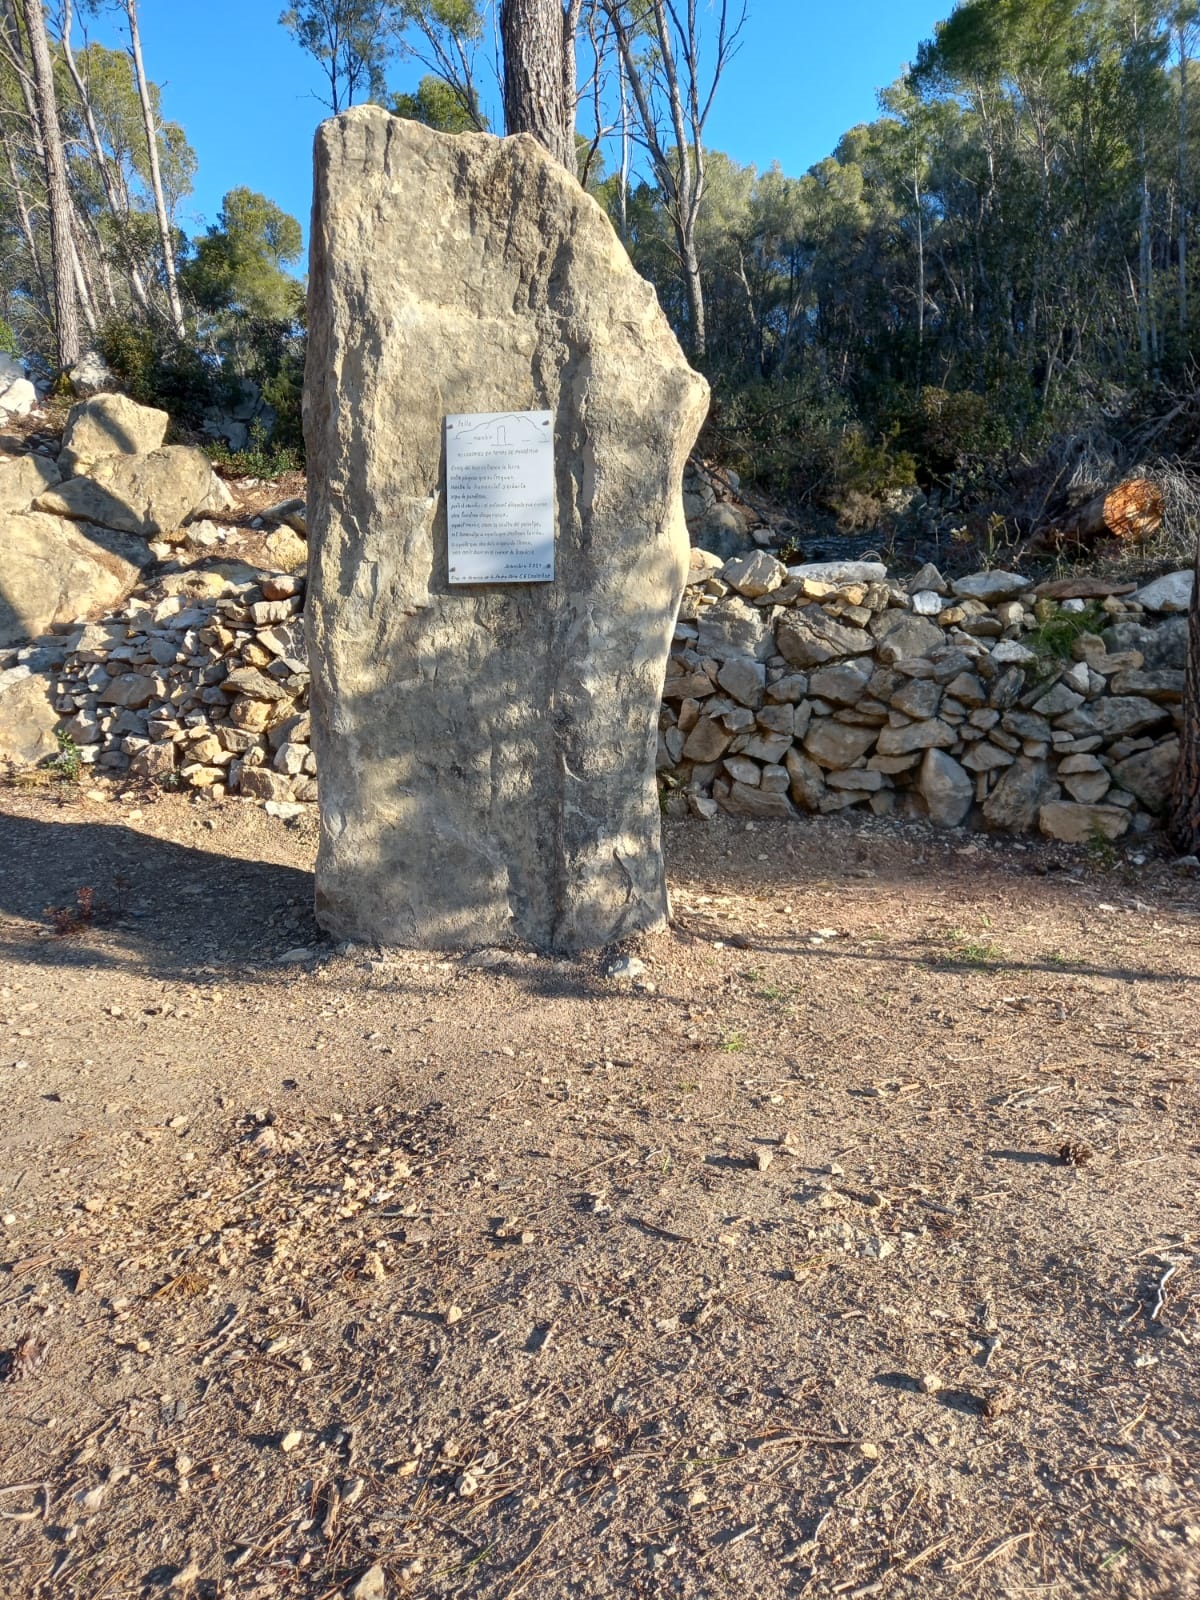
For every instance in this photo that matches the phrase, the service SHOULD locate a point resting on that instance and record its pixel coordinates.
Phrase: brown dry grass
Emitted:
(765, 1279)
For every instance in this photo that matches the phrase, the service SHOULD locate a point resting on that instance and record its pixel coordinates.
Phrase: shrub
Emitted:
(156, 369)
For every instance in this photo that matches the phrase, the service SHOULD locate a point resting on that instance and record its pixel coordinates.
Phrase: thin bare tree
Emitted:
(673, 84)
(116, 200)
(174, 303)
(63, 262)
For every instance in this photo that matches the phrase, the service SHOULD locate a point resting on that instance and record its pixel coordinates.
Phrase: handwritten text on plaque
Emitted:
(500, 497)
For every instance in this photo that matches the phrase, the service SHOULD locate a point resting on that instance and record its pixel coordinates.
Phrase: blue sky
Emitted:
(245, 94)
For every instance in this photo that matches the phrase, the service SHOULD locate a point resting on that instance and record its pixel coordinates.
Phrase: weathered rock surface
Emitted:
(23, 478)
(1149, 774)
(1162, 649)
(991, 586)
(146, 494)
(838, 572)
(109, 425)
(52, 571)
(486, 754)
(946, 789)
(809, 638)
(901, 635)
(27, 717)
(1173, 592)
(1079, 824)
(1019, 792)
(91, 374)
(17, 398)
(755, 575)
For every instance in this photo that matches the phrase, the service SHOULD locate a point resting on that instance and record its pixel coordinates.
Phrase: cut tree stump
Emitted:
(1132, 512)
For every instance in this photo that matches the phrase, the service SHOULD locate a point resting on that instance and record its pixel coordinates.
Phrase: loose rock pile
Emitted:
(820, 688)
(205, 688)
(75, 521)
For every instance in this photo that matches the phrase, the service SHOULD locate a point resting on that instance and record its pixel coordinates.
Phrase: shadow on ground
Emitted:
(168, 909)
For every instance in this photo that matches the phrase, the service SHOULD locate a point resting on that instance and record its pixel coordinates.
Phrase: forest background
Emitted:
(993, 277)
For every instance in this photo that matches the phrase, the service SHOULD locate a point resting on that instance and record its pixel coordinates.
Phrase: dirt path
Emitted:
(764, 1275)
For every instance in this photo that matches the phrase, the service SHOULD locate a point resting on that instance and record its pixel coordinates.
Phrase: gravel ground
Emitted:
(849, 1249)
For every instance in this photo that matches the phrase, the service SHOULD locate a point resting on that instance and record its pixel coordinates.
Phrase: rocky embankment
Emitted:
(989, 700)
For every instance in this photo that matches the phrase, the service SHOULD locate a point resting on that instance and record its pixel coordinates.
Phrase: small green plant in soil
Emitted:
(1101, 849)
(967, 952)
(1054, 637)
(68, 763)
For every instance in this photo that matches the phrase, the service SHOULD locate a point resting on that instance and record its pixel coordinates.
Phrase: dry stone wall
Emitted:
(788, 691)
(986, 701)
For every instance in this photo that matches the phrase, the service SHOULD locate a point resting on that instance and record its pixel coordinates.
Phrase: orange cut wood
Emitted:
(1134, 510)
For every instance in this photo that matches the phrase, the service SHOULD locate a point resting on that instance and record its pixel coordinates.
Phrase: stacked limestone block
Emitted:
(822, 688)
(207, 692)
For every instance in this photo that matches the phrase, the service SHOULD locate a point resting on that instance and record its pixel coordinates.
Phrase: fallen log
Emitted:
(1132, 513)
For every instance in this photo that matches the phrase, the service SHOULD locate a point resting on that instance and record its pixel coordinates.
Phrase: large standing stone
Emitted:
(486, 754)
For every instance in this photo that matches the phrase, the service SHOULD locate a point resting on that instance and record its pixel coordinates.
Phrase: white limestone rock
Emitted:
(947, 789)
(110, 425)
(1168, 594)
(54, 571)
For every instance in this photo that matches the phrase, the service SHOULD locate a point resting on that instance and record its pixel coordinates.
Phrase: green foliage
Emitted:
(157, 369)
(802, 444)
(349, 40)
(68, 763)
(948, 430)
(263, 457)
(238, 268)
(8, 339)
(251, 308)
(964, 951)
(871, 467)
(438, 105)
(1054, 637)
(990, 262)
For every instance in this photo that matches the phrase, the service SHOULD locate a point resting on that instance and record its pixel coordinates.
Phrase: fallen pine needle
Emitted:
(1002, 1548)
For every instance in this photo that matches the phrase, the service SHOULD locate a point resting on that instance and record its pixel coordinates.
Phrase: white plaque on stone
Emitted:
(500, 497)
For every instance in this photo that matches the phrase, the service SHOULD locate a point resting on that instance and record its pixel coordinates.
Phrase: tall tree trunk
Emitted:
(1184, 821)
(920, 285)
(695, 294)
(1183, 174)
(66, 310)
(160, 208)
(83, 286)
(537, 93)
(112, 192)
(626, 151)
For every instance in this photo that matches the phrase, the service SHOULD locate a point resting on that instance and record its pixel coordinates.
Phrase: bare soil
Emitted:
(850, 1251)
